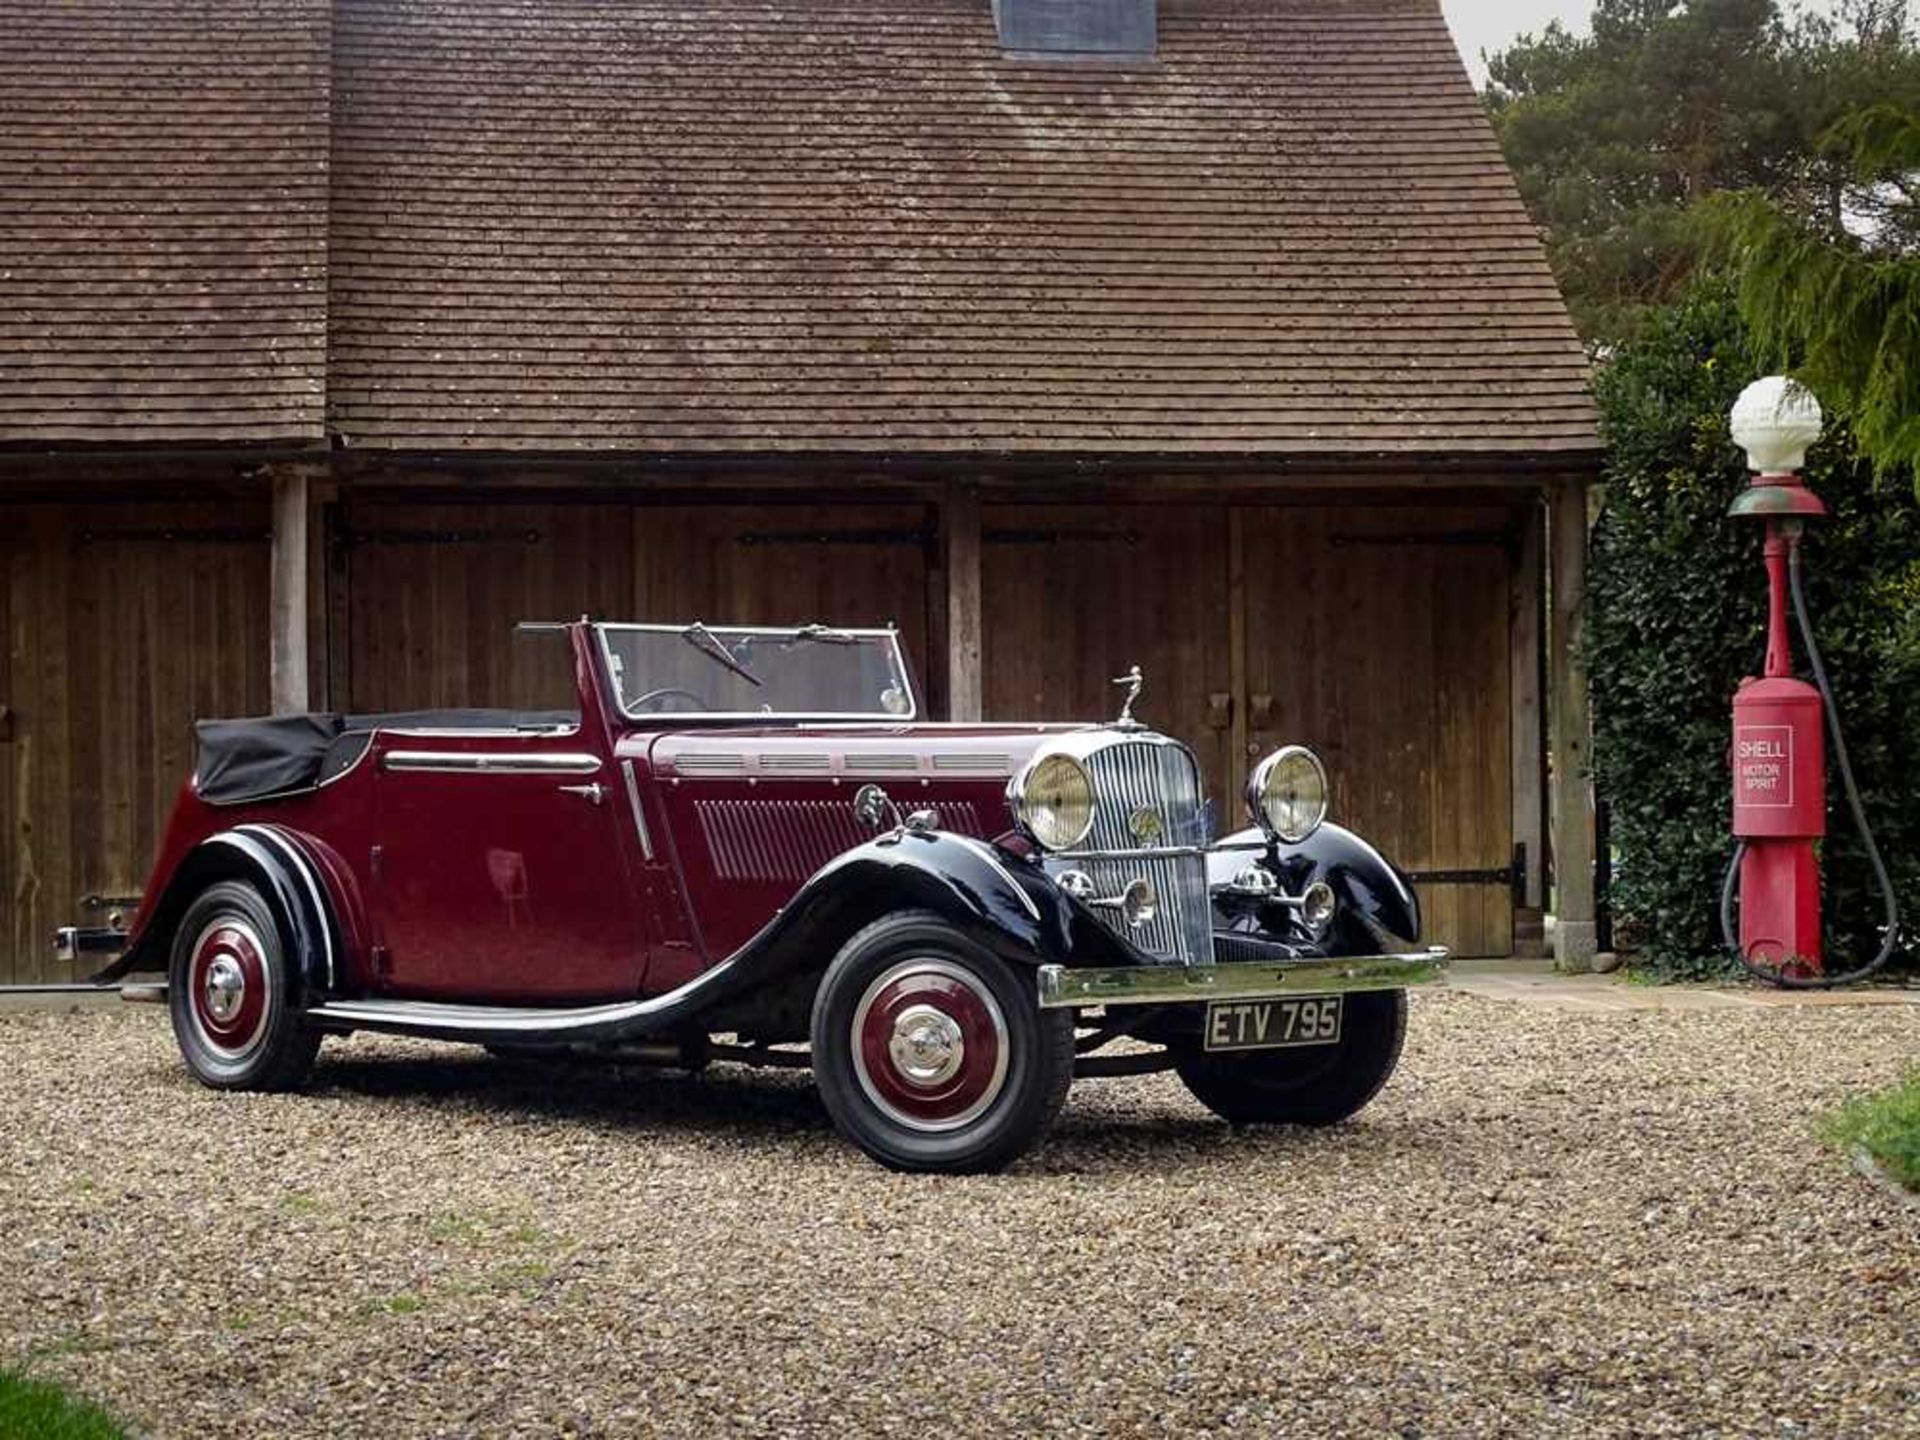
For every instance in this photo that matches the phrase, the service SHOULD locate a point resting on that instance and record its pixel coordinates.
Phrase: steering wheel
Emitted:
(672, 692)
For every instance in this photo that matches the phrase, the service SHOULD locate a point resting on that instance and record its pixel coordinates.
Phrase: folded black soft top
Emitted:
(284, 754)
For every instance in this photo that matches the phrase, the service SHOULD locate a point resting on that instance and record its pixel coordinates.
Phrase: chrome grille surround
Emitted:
(1133, 771)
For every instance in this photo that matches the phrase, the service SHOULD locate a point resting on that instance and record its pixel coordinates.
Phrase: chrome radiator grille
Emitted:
(1129, 777)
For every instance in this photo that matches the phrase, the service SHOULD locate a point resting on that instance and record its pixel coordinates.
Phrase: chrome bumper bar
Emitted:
(71, 942)
(1062, 987)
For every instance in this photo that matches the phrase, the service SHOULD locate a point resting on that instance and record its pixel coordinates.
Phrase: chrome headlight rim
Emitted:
(1024, 812)
(1260, 780)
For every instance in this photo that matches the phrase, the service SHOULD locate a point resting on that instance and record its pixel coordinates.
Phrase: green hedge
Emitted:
(1677, 614)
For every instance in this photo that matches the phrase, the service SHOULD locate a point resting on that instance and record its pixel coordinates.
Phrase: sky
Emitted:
(1490, 24)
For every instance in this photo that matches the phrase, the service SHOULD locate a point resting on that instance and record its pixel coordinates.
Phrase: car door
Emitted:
(499, 872)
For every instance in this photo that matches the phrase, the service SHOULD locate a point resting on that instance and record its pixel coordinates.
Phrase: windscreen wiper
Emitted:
(702, 639)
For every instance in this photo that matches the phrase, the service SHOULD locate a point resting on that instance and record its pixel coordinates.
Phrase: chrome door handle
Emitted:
(595, 793)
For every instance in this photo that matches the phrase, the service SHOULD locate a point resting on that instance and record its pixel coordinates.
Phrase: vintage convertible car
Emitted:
(742, 840)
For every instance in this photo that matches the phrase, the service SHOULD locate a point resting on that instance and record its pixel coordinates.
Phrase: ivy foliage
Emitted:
(1677, 615)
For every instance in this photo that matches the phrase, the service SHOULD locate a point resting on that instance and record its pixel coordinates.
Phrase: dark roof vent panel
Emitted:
(1077, 29)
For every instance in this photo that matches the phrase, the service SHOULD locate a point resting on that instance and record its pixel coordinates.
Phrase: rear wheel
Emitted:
(231, 992)
(1305, 1085)
(932, 1054)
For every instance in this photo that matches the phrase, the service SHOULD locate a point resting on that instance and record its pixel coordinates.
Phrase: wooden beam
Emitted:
(1526, 650)
(1572, 792)
(288, 603)
(960, 555)
(1239, 735)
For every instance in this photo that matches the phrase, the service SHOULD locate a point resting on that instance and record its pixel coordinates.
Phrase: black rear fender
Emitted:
(287, 874)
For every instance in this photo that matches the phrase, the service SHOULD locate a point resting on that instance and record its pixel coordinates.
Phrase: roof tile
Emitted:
(855, 225)
(163, 191)
(763, 225)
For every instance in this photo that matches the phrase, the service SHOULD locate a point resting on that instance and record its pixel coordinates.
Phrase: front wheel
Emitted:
(1307, 1085)
(932, 1053)
(231, 989)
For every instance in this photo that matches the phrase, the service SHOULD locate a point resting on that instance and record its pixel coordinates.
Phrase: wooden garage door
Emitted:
(122, 625)
(429, 596)
(1073, 597)
(768, 564)
(431, 593)
(1379, 637)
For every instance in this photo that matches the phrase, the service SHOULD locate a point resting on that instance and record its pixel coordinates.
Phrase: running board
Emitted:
(483, 1023)
(537, 1025)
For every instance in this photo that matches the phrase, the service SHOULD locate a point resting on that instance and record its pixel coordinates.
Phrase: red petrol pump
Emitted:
(1779, 748)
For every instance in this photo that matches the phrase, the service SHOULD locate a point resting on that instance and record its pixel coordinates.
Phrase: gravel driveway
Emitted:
(1549, 1222)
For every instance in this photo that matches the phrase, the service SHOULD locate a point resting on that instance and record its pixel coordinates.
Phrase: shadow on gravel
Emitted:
(613, 1096)
(770, 1107)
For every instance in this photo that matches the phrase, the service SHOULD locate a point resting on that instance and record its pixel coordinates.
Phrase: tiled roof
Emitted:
(163, 192)
(768, 225)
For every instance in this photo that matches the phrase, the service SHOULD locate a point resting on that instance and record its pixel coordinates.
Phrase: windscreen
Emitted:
(807, 671)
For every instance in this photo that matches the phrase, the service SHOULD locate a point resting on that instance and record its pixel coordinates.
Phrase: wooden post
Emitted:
(1526, 614)
(287, 606)
(1574, 935)
(960, 544)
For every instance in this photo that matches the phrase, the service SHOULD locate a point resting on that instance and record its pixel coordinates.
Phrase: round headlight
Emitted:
(1287, 794)
(1054, 799)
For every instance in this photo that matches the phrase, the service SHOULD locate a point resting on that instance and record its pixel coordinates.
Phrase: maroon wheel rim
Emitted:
(227, 986)
(930, 1045)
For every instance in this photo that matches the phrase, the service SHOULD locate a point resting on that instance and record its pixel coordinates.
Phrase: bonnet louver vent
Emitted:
(1077, 29)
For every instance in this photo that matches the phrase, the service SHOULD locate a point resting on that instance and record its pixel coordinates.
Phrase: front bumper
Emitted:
(1063, 988)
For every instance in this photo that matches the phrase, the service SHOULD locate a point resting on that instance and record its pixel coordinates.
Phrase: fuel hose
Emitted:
(1775, 975)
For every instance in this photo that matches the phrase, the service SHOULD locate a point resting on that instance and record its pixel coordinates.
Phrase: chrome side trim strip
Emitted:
(431, 1015)
(474, 732)
(491, 762)
(1061, 988)
(633, 803)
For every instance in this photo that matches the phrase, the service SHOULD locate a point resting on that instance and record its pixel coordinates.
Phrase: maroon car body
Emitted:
(660, 875)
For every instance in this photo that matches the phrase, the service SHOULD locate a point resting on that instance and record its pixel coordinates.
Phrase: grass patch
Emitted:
(1886, 1124)
(453, 1226)
(297, 1203)
(43, 1410)
(404, 1303)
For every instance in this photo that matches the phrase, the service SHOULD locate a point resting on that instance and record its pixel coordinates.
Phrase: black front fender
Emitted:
(1013, 909)
(1378, 908)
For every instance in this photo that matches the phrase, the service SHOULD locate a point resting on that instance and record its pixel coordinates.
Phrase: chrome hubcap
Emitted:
(930, 1045)
(226, 987)
(229, 987)
(927, 1045)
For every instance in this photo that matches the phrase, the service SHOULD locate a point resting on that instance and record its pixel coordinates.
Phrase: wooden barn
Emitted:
(1069, 334)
